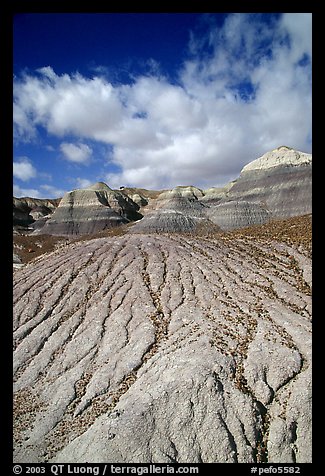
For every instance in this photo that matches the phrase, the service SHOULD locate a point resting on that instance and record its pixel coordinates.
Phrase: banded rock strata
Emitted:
(164, 349)
(177, 210)
(276, 185)
(90, 210)
(26, 210)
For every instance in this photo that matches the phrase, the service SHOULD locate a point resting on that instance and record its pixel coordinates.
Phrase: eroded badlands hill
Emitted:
(90, 210)
(276, 185)
(164, 348)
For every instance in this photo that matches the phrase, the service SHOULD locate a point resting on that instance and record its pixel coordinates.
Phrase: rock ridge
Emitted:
(90, 210)
(276, 185)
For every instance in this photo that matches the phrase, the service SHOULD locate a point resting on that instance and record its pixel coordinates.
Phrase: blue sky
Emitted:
(155, 100)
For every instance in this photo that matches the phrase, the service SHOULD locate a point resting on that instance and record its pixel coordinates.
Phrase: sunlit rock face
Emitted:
(232, 214)
(27, 210)
(177, 210)
(276, 185)
(90, 210)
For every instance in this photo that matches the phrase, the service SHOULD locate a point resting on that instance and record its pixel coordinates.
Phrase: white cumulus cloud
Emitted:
(25, 192)
(50, 191)
(23, 169)
(244, 89)
(77, 153)
(83, 183)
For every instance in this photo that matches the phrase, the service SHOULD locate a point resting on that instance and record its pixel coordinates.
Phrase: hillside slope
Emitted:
(165, 348)
(90, 210)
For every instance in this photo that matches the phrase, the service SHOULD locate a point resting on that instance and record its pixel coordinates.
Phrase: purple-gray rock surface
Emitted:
(276, 185)
(90, 210)
(164, 348)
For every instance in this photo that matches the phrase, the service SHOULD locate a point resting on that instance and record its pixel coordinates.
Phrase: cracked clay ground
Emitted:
(162, 348)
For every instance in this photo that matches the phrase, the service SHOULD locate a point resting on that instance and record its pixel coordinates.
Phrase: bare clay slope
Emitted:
(144, 348)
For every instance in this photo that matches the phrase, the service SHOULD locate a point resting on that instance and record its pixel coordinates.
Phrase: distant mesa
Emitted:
(276, 185)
